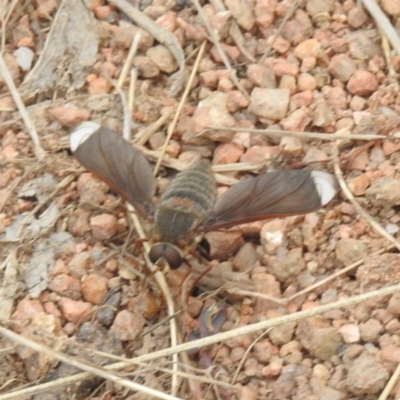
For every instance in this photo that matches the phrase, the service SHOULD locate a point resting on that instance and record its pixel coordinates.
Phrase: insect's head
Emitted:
(169, 252)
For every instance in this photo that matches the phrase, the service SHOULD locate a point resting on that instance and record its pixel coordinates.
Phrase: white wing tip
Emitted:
(82, 132)
(326, 185)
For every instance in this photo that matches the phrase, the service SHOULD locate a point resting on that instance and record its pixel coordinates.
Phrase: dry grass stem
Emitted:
(160, 278)
(172, 126)
(387, 53)
(145, 134)
(126, 132)
(128, 61)
(391, 384)
(39, 152)
(383, 23)
(347, 192)
(5, 16)
(132, 85)
(300, 135)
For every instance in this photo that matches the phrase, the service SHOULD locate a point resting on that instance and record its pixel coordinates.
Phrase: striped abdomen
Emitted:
(187, 202)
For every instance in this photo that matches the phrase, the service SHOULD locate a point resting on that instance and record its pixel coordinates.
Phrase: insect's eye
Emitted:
(170, 253)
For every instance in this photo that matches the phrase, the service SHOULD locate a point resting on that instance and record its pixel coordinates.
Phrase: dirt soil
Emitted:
(319, 80)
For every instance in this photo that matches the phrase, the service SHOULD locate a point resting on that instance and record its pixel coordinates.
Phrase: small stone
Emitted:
(350, 333)
(227, 153)
(319, 338)
(79, 264)
(366, 375)
(162, 58)
(268, 285)
(24, 57)
(269, 103)
(78, 222)
(370, 330)
(261, 76)
(236, 100)
(264, 350)
(260, 154)
(359, 184)
(384, 191)
(212, 111)
(248, 393)
(361, 46)
(349, 251)
(362, 83)
(70, 116)
(104, 226)
(127, 325)
(291, 146)
(26, 309)
(91, 189)
(242, 11)
(307, 48)
(273, 236)
(391, 353)
(392, 7)
(75, 311)
(223, 244)
(245, 258)
(273, 369)
(147, 69)
(105, 315)
(298, 28)
(146, 304)
(66, 286)
(357, 17)
(295, 122)
(342, 67)
(99, 85)
(282, 334)
(394, 304)
(283, 67)
(12, 67)
(299, 100)
(94, 288)
(306, 81)
(288, 82)
(289, 267)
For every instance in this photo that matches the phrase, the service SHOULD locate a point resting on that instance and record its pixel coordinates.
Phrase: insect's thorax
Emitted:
(186, 203)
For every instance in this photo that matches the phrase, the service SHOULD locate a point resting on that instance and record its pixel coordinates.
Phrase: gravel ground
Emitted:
(73, 275)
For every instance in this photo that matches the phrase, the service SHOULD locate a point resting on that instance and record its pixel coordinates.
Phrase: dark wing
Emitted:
(272, 195)
(111, 158)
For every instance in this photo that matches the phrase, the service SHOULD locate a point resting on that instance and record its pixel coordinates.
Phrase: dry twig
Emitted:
(301, 135)
(39, 152)
(171, 127)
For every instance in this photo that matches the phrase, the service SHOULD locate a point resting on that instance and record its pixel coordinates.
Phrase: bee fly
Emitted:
(189, 203)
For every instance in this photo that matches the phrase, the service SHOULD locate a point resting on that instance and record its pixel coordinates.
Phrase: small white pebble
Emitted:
(391, 228)
(24, 57)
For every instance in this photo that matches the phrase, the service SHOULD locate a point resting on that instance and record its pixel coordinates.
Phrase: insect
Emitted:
(189, 204)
